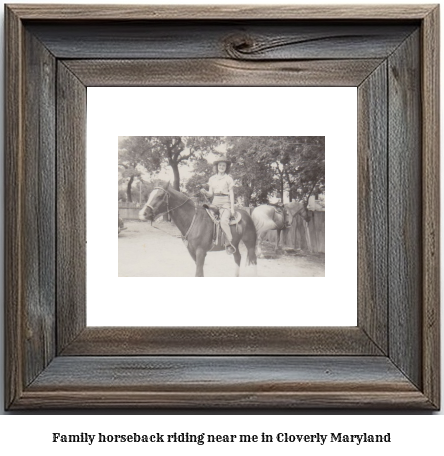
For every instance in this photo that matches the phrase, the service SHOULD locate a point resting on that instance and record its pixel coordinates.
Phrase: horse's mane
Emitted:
(174, 192)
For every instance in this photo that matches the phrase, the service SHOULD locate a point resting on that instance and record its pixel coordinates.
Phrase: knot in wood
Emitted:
(239, 46)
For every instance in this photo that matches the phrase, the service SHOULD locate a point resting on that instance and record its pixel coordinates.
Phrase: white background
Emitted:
(413, 433)
(216, 301)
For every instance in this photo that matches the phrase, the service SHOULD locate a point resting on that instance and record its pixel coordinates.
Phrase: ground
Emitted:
(156, 250)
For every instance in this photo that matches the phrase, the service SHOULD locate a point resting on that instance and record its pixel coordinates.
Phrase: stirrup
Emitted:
(230, 249)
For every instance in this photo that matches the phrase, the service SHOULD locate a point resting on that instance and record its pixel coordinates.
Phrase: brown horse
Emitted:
(267, 218)
(197, 227)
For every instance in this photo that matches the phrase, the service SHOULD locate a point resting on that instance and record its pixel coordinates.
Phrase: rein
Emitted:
(277, 210)
(184, 238)
(167, 202)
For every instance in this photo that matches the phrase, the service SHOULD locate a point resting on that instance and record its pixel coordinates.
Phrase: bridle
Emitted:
(284, 216)
(304, 211)
(166, 196)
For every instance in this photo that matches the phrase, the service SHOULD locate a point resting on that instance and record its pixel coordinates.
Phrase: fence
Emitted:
(129, 211)
(301, 235)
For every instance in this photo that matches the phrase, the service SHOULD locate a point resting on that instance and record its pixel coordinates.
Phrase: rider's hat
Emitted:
(222, 159)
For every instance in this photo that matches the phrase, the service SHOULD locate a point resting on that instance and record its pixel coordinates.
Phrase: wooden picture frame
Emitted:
(390, 360)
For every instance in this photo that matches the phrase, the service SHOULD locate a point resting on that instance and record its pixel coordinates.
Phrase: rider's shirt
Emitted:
(221, 185)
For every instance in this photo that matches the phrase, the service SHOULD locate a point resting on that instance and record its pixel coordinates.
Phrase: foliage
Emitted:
(132, 160)
(156, 152)
(262, 166)
(141, 190)
(251, 172)
(307, 166)
(202, 171)
(270, 164)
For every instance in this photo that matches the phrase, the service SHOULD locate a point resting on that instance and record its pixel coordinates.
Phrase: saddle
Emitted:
(214, 213)
(278, 208)
(218, 234)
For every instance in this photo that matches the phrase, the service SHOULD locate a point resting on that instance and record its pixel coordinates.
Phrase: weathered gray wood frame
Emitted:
(390, 360)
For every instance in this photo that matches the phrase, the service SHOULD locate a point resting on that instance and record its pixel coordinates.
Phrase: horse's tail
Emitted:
(249, 237)
(251, 257)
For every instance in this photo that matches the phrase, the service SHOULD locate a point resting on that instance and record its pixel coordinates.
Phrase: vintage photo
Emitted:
(221, 206)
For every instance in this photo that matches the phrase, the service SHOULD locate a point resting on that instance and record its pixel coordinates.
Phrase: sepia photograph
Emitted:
(245, 210)
(221, 206)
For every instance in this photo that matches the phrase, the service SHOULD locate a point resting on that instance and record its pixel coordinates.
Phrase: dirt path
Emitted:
(147, 251)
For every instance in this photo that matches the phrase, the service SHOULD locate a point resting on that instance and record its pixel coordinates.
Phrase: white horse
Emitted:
(266, 218)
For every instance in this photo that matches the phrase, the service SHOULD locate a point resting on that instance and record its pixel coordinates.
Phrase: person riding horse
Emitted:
(221, 190)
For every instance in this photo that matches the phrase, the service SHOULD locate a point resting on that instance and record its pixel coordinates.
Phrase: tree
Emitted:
(251, 170)
(278, 163)
(202, 171)
(155, 152)
(132, 161)
(307, 166)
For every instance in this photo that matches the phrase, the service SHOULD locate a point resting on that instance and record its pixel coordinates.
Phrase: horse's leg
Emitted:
(237, 259)
(192, 252)
(200, 259)
(278, 238)
(237, 255)
(260, 240)
(252, 240)
(251, 257)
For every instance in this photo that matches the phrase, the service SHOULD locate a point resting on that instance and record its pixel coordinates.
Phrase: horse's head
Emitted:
(297, 208)
(305, 213)
(288, 218)
(158, 202)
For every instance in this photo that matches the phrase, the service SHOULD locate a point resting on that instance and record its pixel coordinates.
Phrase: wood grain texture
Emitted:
(225, 400)
(39, 207)
(221, 12)
(405, 209)
(13, 207)
(126, 341)
(407, 378)
(205, 72)
(209, 373)
(430, 93)
(236, 40)
(71, 206)
(233, 382)
(372, 207)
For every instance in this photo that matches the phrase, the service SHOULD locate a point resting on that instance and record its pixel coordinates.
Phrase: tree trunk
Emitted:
(128, 190)
(176, 183)
(290, 187)
(247, 197)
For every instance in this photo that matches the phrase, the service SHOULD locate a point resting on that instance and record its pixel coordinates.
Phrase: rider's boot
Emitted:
(224, 224)
(229, 247)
